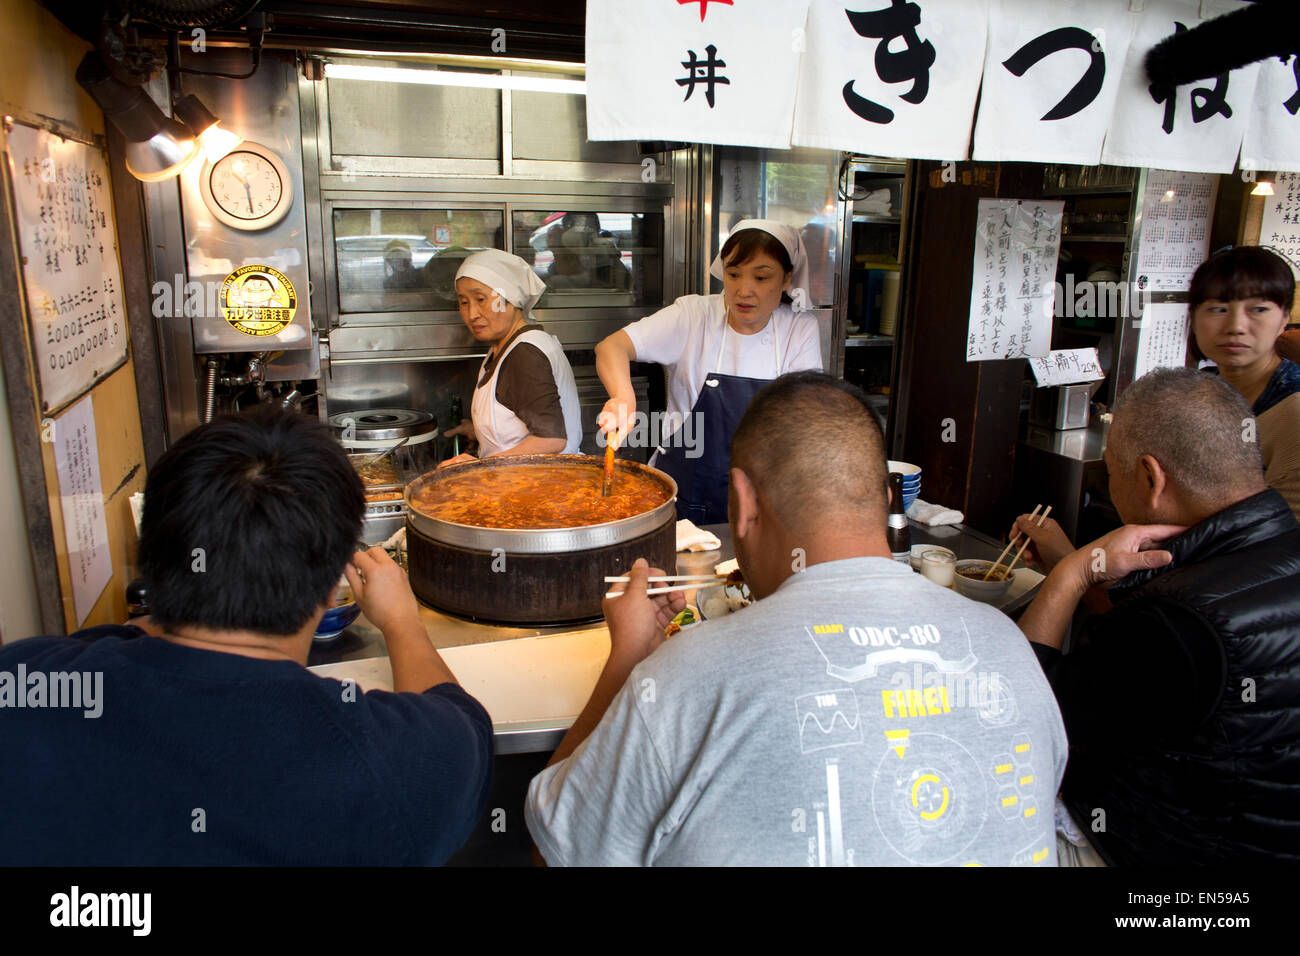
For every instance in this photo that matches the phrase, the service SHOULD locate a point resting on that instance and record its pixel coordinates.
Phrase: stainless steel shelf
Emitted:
(859, 341)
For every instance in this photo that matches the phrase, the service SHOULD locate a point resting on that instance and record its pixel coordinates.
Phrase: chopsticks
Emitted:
(696, 579)
(1012, 543)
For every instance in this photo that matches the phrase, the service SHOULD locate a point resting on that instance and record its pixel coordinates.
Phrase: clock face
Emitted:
(246, 185)
(248, 188)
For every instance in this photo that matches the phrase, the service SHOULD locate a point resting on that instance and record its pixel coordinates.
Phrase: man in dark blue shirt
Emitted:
(199, 737)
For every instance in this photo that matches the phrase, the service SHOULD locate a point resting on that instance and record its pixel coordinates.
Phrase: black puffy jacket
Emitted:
(1229, 790)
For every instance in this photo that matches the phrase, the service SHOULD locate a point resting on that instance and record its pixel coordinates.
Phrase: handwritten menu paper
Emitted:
(1162, 337)
(1067, 367)
(76, 460)
(69, 251)
(1016, 245)
(1280, 226)
(1175, 233)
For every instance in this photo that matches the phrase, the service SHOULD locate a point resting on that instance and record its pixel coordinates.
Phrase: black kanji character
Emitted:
(1206, 101)
(1292, 104)
(900, 19)
(1066, 38)
(703, 71)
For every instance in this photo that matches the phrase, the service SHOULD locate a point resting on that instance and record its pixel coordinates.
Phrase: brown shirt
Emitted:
(526, 386)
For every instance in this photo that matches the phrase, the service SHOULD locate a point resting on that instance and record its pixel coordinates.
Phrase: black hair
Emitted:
(742, 246)
(829, 468)
(248, 523)
(1243, 272)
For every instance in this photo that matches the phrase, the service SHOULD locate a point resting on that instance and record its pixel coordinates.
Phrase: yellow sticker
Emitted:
(258, 300)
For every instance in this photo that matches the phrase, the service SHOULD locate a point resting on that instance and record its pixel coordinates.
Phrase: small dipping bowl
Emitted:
(989, 592)
(339, 617)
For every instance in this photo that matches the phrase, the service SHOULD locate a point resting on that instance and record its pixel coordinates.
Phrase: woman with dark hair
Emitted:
(719, 351)
(1240, 302)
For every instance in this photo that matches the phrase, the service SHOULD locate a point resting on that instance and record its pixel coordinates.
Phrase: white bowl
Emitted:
(989, 592)
(906, 469)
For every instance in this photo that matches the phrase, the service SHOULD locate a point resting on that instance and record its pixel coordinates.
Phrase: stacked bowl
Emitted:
(911, 480)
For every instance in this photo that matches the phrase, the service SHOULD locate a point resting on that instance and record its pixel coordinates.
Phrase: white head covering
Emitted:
(511, 276)
(788, 236)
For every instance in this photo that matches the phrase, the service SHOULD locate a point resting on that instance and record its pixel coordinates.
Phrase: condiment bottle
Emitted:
(896, 530)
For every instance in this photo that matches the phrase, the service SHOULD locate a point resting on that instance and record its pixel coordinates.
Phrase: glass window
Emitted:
(369, 118)
(593, 258)
(794, 186)
(398, 260)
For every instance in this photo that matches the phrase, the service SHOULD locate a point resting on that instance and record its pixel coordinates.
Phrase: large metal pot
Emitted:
(544, 576)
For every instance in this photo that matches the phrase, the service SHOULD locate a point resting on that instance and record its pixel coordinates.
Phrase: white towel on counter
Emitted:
(691, 538)
(933, 515)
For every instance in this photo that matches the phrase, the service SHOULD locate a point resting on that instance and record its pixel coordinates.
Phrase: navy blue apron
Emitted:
(702, 481)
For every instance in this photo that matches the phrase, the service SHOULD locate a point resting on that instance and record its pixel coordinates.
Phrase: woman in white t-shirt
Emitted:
(719, 351)
(525, 401)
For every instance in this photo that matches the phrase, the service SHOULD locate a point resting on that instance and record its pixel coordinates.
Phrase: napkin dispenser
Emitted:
(1061, 407)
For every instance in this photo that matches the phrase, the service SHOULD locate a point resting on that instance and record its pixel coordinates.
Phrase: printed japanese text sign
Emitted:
(705, 71)
(1280, 227)
(1013, 289)
(1162, 337)
(1051, 75)
(81, 498)
(1272, 139)
(1196, 127)
(69, 252)
(891, 77)
(1067, 367)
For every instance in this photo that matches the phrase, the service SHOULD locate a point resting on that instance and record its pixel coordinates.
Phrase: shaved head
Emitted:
(1198, 427)
(814, 452)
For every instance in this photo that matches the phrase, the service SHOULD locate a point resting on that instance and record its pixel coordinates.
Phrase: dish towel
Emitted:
(933, 515)
(691, 538)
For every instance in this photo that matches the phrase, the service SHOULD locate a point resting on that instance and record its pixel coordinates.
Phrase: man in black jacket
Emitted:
(1182, 700)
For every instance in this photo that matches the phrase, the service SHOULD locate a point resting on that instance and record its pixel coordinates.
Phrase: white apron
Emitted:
(497, 427)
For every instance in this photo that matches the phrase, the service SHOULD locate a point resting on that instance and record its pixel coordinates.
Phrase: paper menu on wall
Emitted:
(1175, 233)
(1280, 227)
(1162, 337)
(71, 275)
(1067, 367)
(1012, 293)
(76, 460)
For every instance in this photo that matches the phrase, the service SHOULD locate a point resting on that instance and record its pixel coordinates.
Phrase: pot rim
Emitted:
(541, 540)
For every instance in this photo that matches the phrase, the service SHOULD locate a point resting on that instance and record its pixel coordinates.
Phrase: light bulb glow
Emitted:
(216, 142)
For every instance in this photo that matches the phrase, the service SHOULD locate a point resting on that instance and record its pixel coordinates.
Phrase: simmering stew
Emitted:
(560, 495)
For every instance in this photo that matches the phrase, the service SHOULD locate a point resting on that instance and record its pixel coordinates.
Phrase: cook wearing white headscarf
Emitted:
(719, 350)
(525, 401)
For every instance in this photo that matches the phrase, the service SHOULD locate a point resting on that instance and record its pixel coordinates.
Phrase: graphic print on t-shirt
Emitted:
(954, 779)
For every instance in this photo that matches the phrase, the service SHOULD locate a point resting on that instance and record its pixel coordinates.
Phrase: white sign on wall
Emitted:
(1051, 75)
(69, 251)
(706, 72)
(1280, 226)
(1162, 337)
(81, 496)
(1067, 367)
(891, 79)
(1012, 296)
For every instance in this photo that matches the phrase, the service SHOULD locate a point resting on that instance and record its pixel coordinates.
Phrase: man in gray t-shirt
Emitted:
(858, 714)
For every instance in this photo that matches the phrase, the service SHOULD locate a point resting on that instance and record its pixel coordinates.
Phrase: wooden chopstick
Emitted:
(1010, 544)
(672, 577)
(675, 587)
(1041, 519)
(1026, 544)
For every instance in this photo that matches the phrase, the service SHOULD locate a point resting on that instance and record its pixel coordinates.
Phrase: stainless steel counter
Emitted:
(363, 640)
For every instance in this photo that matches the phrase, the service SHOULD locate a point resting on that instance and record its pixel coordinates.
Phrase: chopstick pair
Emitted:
(696, 580)
(1012, 543)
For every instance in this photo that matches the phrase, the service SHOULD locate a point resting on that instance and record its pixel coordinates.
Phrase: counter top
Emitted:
(534, 681)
